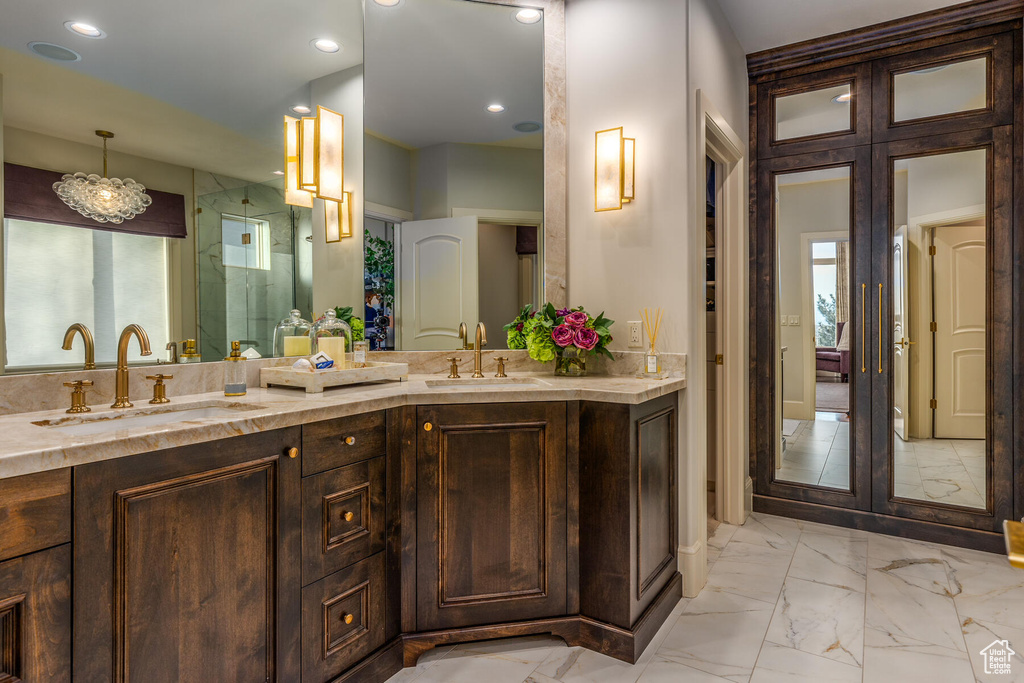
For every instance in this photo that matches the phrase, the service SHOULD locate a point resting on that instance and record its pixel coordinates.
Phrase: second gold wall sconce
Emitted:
(614, 169)
(314, 168)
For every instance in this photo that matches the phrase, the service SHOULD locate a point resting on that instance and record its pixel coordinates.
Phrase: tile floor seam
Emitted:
(760, 650)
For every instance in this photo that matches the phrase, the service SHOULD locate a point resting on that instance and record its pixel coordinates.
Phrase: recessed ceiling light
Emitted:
(325, 45)
(80, 28)
(843, 99)
(278, 172)
(301, 109)
(495, 108)
(527, 126)
(528, 16)
(52, 51)
(387, 3)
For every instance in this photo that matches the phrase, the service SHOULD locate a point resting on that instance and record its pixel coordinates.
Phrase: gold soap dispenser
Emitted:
(234, 371)
(188, 352)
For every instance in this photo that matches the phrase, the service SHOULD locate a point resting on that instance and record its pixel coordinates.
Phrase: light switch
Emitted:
(785, 321)
(794, 320)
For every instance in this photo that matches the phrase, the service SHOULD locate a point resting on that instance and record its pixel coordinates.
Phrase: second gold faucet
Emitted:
(121, 399)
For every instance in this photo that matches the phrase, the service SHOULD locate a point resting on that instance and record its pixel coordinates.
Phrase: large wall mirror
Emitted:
(196, 109)
(454, 160)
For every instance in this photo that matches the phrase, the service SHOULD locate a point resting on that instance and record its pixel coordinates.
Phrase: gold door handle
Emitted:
(879, 328)
(348, 618)
(348, 516)
(427, 426)
(904, 342)
(863, 327)
(350, 441)
(293, 453)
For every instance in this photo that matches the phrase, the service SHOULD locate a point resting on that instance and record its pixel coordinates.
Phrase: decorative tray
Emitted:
(316, 382)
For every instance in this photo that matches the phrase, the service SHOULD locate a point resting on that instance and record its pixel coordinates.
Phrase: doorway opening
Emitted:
(713, 354)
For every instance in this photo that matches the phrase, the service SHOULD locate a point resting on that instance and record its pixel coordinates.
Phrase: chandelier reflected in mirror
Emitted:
(103, 199)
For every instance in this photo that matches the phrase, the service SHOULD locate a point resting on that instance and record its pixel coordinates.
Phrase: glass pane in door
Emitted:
(939, 328)
(940, 90)
(816, 112)
(815, 329)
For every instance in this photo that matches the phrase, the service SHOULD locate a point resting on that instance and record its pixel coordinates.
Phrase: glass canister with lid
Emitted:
(332, 336)
(291, 336)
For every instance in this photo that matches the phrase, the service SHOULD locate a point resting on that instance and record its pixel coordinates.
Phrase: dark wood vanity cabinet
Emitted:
(187, 563)
(491, 511)
(35, 577)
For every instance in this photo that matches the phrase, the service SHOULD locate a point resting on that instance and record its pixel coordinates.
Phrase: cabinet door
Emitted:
(491, 514)
(187, 564)
(35, 617)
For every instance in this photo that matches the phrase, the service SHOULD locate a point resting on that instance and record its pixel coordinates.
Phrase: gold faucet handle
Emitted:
(78, 388)
(159, 389)
(501, 366)
(454, 374)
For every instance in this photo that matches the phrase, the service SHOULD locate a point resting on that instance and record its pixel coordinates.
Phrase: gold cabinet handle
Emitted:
(863, 327)
(347, 618)
(293, 452)
(348, 516)
(350, 441)
(427, 426)
(879, 328)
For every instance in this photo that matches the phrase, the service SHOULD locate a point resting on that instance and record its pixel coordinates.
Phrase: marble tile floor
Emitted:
(796, 602)
(818, 452)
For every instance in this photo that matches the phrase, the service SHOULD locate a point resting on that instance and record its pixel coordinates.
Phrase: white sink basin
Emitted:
(486, 382)
(107, 422)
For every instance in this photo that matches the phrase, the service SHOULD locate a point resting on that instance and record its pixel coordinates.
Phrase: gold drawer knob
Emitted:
(348, 516)
(427, 427)
(293, 452)
(350, 441)
(348, 618)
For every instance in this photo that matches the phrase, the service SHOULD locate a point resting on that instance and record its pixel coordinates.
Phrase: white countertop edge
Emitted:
(26, 448)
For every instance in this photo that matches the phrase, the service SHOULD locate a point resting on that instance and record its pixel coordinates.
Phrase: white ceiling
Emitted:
(763, 24)
(433, 66)
(228, 69)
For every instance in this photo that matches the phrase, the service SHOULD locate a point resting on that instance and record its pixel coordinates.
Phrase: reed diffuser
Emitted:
(652, 325)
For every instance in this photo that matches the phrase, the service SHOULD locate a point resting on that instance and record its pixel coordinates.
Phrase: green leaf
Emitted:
(604, 351)
(550, 311)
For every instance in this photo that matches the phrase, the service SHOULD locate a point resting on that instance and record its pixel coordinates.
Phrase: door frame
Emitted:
(999, 342)
(716, 138)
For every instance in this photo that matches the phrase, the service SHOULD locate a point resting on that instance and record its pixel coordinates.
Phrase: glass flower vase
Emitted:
(571, 362)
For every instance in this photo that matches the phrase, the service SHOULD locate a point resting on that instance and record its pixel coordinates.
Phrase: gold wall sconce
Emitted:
(314, 168)
(614, 169)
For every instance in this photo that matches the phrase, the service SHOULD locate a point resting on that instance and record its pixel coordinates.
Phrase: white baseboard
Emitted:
(693, 565)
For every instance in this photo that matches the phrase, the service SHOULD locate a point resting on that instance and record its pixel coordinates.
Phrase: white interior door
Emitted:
(438, 286)
(900, 334)
(959, 286)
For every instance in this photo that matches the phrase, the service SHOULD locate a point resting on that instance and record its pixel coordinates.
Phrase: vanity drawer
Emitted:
(342, 517)
(35, 512)
(334, 443)
(342, 619)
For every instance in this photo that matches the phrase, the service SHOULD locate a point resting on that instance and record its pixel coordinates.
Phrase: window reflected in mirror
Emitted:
(940, 90)
(814, 113)
(815, 328)
(939, 328)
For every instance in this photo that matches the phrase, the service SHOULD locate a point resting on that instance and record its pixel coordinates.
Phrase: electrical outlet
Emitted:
(636, 335)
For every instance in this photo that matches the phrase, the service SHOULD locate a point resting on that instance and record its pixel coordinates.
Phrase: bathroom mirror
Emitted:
(814, 112)
(939, 328)
(941, 90)
(454, 170)
(814, 337)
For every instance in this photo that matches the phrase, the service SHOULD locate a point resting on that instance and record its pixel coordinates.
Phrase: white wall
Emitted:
(499, 280)
(338, 267)
(388, 169)
(638, 64)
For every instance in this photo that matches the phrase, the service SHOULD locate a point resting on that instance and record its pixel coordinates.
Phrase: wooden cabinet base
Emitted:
(623, 644)
(378, 667)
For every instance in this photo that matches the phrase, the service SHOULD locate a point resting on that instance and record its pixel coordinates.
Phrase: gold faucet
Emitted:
(121, 396)
(464, 336)
(481, 342)
(90, 346)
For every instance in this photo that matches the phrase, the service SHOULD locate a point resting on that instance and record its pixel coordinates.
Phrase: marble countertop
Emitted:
(46, 440)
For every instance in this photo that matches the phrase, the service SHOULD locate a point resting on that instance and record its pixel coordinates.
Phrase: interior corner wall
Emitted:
(388, 169)
(638, 64)
(338, 267)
